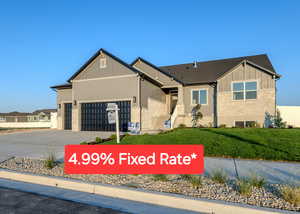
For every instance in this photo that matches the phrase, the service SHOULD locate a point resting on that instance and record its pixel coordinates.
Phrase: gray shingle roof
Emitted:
(210, 71)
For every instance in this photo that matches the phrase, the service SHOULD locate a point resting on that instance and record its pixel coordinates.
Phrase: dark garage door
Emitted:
(94, 116)
(68, 116)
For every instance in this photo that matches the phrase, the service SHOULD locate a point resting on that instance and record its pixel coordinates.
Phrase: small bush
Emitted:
(113, 137)
(291, 195)
(186, 177)
(50, 161)
(84, 143)
(222, 126)
(244, 187)
(181, 126)
(98, 140)
(160, 177)
(219, 176)
(196, 181)
(256, 181)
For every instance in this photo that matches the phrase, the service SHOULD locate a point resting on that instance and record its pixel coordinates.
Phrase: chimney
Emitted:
(195, 64)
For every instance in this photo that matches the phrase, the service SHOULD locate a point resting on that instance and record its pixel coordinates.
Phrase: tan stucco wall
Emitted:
(154, 106)
(229, 110)
(185, 106)
(155, 74)
(105, 90)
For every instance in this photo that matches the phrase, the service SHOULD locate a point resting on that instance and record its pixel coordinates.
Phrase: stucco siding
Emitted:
(154, 106)
(63, 96)
(155, 74)
(229, 110)
(206, 110)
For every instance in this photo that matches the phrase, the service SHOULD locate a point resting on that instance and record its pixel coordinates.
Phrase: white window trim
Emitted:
(243, 121)
(199, 89)
(244, 82)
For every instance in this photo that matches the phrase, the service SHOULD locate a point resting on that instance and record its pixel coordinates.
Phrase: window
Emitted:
(239, 124)
(199, 97)
(244, 90)
(102, 62)
(243, 124)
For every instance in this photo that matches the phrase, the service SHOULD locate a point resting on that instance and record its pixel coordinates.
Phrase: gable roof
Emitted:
(62, 86)
(157, 68)
(95, 56)
(210, 71)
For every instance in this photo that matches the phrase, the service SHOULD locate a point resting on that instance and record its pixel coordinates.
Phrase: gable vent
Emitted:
(195, 64)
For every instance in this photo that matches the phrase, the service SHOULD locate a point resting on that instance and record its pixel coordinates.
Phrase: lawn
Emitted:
(252, 143)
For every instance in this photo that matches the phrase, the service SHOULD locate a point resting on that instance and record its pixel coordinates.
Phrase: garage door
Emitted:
(94, 116)
(68, 116)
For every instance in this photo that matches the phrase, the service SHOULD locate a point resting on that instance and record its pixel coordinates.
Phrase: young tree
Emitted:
(196, 115)
(278, 121)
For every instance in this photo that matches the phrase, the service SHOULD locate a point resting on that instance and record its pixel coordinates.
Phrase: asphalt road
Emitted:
(38, 144)
(18, 202)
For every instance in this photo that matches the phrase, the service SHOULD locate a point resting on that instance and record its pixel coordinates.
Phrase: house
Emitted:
(42, 115)
(234, 92)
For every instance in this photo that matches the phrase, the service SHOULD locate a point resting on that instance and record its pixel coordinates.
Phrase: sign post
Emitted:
(117, 124)
(113, 117)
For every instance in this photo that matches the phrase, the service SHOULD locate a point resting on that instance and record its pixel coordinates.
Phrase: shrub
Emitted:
(186, 177)
(196, 181)
(160, 177)
(222, 126)
(244, 187)
(219, 176)
(84, 143)
(256, 181)
(181, 126)
(50, 161)
(98, 140)
(113, 137)
(291, 195)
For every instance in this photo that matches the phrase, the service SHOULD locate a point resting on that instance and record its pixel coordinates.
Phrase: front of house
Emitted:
(233, 92)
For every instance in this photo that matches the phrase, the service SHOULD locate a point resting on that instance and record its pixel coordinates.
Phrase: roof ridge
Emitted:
(216, 60)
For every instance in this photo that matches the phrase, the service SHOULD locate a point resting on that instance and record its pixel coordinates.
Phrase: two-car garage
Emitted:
(94, 116)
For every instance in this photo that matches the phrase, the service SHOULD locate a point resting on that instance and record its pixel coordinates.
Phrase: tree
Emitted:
(278, 121)
(196, 115)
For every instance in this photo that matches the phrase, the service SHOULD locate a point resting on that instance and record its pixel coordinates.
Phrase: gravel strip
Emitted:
(269, 196)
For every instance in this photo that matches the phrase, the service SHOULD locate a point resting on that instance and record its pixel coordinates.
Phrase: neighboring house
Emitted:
(43, 115)
(234, 92)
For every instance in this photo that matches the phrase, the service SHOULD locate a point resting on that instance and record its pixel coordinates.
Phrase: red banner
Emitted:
(134, 159)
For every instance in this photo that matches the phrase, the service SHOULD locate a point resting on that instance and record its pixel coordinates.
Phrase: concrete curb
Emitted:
(168, 200)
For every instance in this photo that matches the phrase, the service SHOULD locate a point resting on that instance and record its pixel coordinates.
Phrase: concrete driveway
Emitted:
(38, 144)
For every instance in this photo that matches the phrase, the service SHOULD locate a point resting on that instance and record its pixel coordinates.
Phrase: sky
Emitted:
(42, 43)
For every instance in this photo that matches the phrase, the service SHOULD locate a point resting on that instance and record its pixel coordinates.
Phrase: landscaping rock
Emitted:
(268, 196)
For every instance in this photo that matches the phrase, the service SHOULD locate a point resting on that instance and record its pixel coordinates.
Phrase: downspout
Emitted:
(215, 105)
(140, 101)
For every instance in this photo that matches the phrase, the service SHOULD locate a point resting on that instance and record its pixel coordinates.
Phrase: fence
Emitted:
(290, 115)
(24, 122)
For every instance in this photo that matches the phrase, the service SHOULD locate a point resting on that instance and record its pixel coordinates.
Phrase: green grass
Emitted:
(252, 143)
